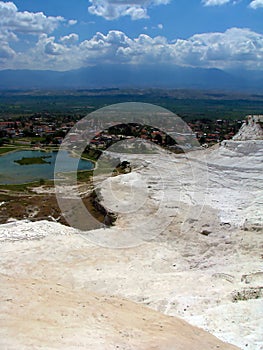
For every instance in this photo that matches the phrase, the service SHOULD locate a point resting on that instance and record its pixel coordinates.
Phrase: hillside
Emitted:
(131, 76)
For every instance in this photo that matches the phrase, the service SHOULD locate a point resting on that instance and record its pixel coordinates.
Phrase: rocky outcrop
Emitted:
(251, 129)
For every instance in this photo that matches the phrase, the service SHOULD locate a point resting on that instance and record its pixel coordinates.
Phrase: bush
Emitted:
(41, 182)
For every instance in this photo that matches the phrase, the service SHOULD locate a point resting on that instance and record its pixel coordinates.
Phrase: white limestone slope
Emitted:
(227, 180)
(189, 233)
(251, 129)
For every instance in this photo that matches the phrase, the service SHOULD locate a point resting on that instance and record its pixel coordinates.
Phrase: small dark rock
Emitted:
(205, 232)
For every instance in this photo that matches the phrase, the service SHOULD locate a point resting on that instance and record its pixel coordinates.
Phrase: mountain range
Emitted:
(133, 76)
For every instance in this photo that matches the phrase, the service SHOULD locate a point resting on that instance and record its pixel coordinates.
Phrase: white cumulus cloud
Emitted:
(69, 39)
(26, 22)
(5, 51)
(14, 24)
(215, 2)
(72, 22)
(234, 48)
(255, 4)
(113, 9)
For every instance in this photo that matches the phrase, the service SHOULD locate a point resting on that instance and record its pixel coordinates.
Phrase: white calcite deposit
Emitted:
(251, 129)
(187, 243)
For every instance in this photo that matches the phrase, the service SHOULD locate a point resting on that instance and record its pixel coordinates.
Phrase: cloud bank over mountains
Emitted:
(33, 40)
(234, 48)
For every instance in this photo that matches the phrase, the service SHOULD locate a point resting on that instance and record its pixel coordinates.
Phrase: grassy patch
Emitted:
(4, 198)
(4, 149)
(32, 160)
(23, 187)
(91, 154)
(30, 139)
(84, 175)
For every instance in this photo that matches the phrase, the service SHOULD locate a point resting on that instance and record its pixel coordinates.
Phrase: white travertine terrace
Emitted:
(205, 266)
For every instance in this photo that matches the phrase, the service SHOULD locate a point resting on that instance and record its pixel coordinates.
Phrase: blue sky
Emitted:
(62, 35)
